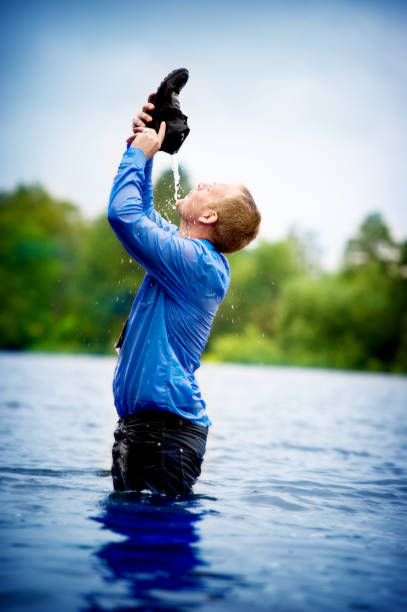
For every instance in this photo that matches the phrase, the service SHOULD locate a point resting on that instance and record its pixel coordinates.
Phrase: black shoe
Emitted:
(167, 109)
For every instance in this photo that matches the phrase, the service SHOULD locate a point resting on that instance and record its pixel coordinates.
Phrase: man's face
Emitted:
(199, 200)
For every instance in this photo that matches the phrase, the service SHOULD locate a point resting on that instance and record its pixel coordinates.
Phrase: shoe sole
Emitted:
(180, 74)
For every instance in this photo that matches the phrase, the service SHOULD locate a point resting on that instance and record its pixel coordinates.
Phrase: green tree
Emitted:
(257, 278)
(372, 245)
(65, 283)
(354, 318)
(68, 284)
(39, 253)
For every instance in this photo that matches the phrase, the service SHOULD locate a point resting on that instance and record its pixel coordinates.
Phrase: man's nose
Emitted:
(203, 186)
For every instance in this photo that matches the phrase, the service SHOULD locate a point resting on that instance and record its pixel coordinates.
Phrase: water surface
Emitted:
(301, 504)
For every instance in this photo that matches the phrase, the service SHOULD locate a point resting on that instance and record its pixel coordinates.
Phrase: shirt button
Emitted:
(158, 443)
(181, 450)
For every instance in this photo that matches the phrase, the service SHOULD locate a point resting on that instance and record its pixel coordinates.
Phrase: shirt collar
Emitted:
(209, 244)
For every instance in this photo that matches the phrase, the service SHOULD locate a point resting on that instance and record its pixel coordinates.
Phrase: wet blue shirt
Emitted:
(172, 313)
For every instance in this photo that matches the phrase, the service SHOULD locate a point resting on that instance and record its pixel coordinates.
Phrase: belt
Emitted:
(167, 417)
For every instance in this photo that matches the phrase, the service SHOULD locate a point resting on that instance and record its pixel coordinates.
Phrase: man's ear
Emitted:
(209, 217)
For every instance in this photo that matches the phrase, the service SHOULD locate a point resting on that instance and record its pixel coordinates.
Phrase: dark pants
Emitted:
(159, 451)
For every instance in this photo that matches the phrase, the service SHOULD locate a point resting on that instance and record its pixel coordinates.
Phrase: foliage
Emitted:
(279, 311)
(68, 284)
(39, 253)
(373, 244)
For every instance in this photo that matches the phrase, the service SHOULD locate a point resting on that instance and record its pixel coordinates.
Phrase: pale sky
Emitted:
(304, 102)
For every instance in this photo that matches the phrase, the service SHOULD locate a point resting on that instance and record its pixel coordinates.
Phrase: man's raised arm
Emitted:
(142, 120)
(170, 259)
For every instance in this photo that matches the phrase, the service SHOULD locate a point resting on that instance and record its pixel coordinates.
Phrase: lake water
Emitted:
(301, 504)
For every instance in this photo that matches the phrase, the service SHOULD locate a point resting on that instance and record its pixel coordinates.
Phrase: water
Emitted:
(177, 178)
(301, 504)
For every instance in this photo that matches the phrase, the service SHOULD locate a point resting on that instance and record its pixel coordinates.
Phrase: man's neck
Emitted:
(195, 230)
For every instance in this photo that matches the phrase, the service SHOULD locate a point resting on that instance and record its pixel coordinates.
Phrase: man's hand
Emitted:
(144, 117)
(148, 140)
(145, 138)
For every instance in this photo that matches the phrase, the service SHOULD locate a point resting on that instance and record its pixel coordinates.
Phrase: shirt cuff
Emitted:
(135, 156)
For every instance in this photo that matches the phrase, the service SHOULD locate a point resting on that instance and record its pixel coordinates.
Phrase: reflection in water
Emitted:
(159, 557)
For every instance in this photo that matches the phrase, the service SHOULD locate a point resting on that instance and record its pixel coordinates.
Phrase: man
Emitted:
(161, 434)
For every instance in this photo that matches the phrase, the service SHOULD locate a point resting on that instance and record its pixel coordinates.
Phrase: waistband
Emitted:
(160, 416)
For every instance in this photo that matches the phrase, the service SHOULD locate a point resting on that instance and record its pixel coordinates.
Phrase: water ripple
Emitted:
(300, 507)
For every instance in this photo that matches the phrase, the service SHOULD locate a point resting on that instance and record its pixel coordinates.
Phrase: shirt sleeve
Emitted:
(147, 189)
(173, 261)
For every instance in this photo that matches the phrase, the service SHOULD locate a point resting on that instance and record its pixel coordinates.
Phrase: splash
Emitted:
(177, 178)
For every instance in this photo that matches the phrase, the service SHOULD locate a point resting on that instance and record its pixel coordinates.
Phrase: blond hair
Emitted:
(238, 221)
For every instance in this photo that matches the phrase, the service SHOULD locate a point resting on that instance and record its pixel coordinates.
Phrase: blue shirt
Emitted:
(172, 313)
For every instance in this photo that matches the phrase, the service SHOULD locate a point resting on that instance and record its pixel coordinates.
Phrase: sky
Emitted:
(303, 102)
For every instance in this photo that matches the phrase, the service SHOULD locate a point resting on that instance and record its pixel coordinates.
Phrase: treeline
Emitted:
(67, 284)
(282, 310)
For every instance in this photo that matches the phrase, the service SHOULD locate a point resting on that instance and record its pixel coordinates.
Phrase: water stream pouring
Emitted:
(177, 178)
